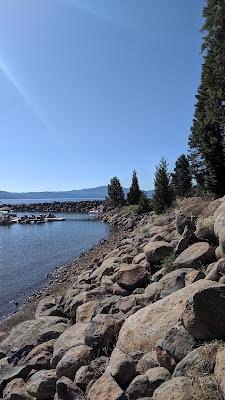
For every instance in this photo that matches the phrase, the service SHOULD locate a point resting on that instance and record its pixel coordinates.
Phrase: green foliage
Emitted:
(115, 193)
(163, 197)
(181, 177)
(134, 194)
(206, 140)
(131, 209)
(167, 262)
(144, 204)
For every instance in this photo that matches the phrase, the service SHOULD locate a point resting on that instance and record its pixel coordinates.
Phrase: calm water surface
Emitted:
(29, 252)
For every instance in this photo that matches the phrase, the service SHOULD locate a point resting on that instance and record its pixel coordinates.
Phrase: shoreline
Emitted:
(61, 279)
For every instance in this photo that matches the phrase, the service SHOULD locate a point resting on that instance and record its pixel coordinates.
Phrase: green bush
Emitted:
(167, 262)
(131, 209)
(144, 204)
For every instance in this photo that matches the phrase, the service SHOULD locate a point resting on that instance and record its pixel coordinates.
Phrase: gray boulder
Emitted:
(68, 390)
(156, 251)
(178, 342)
(9, 372)
(132, 276)
(106, 388)
(139, 387)
(29, 334)
(217, 271)
(49, 306)
(121, 367)
(183, 220)
(198, 362)
(42, 384)
(203, 314)
(73, 359)
(16, 390)
(195, 256)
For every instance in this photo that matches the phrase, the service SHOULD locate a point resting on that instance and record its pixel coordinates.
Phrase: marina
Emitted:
(7, 218)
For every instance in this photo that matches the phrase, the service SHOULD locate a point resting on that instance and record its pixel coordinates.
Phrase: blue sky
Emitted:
(90, 89)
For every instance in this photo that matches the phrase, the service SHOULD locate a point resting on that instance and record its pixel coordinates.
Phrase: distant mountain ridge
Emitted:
(99, 192)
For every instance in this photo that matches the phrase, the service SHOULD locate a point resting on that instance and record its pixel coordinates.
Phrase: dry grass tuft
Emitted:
(193, 205)
(205, 228)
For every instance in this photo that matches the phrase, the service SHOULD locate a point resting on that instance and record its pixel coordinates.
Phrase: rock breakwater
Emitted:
(55, 207)
(135, 323)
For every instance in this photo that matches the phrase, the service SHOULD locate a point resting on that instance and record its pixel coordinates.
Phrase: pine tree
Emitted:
(163, 193)
(206, 140)
(181, 177)
(134, 194)
(115, 193)
(144, 204)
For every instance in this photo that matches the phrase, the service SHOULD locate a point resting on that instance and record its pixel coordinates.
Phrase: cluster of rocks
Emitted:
(55, 207)
(125, 219)
(145, 321)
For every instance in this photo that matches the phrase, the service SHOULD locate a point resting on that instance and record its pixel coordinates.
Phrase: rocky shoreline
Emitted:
(141, 316)
(55, 207)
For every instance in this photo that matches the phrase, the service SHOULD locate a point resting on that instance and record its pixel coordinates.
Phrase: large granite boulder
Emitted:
(203, 315)
(42, 384)
(40, 356)
(106, 388)
(142, 330)
(73, 359)
(178, 342)
(217, 270)
(167, 285)
(49, 306)
(156, 251)
(183, 220)
(195, 256)
(68, 390)
(8, 372)
(131, 277)
(72, 337)
(199, 362)
(184, 388)
(219, 218)
(29, 334)
(121, 367)
(16, 390)
(93, 371)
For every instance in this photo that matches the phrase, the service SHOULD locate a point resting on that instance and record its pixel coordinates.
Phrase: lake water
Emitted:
(29, 252)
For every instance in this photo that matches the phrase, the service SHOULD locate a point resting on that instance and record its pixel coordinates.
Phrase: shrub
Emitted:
(167, 262)
(144, 204)
(131, 209)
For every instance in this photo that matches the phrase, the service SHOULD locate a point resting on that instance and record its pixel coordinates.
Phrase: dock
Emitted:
(6, 218)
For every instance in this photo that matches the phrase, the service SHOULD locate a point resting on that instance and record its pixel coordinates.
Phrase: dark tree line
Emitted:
(206, 140)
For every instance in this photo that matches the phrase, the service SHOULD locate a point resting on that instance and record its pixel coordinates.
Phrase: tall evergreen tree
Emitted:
(206, 140)
(134, 194)
(115, 193)
(181, 177)
(163, 197)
